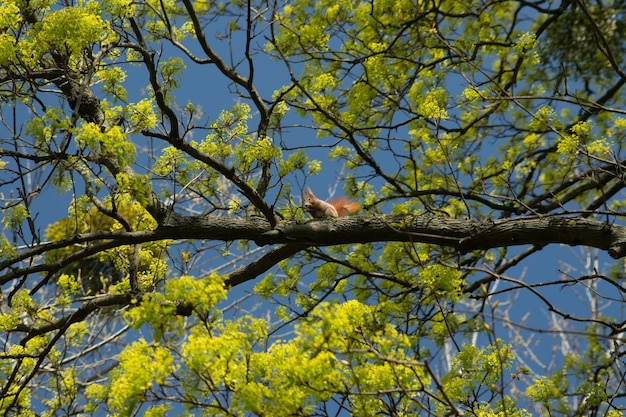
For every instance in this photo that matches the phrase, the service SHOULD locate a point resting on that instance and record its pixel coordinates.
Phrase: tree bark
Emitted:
(462, 235)
(290, 237)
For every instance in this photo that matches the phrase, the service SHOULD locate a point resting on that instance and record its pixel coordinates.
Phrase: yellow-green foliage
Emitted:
(10, 16)
(83, 217)
(111, 79)
(69, 286)
(231, 137)
(111, 143)
(203, 294)
(159, 309)
(141, 365)
(576, 375)
(23, 400)
(474, 369)
(14, 216)
(171, 74)
(142, 114)
(229, 142)
(66, 385)
(23, 305)
(296, 160)
(70, 27)
(442, 282)
(339, 346)
(45, 128)
(67, 29)
(341, 349)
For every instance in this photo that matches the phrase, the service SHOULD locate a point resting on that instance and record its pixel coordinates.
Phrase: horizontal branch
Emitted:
(462, 235)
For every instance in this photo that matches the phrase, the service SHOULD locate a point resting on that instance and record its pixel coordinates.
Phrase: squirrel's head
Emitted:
(308, 198)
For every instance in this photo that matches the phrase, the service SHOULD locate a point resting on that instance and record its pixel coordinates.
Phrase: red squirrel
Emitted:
(335, 208)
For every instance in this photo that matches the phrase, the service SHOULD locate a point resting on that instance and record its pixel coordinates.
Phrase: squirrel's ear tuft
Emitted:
(310, 192)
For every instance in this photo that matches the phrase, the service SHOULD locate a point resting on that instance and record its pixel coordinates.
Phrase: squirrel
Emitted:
(338, 207)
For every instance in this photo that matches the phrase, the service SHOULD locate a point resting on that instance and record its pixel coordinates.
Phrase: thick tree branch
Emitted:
(462, 235)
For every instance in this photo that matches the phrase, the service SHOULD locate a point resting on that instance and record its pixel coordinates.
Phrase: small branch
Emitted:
(228, 172)
(159, 95)
(263, 264)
